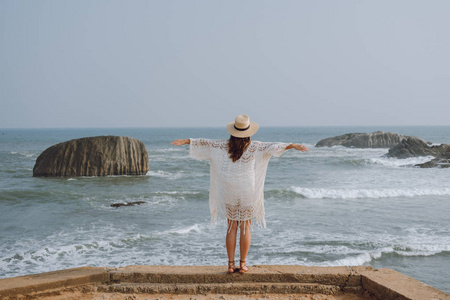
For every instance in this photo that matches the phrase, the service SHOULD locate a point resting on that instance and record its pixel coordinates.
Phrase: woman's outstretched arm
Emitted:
(297, 147)
(181, 142)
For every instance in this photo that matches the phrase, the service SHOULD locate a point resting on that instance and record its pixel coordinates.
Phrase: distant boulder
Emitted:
(93, 156)
(413, 148)
(378, 139)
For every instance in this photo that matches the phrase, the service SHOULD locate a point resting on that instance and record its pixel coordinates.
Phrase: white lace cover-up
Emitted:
(236, 188)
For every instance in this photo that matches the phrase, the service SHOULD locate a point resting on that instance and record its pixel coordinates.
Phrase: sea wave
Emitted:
(167, 158)
(173, 149)
(79, 247)
(179, 245)
(368, 257)
(321, 193)
(31, 257)
(280, 194)
(26, 154)
(174, 175)
(186, 230)
(357, 260)
(341, 151)
(396, 162)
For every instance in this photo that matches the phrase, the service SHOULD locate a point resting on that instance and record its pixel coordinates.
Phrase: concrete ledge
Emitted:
(30, 284)
(395, 285)
(362, 282)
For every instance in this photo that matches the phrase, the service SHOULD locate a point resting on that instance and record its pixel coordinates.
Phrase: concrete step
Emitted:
(216, 274)
(245, 288)
(347, 282)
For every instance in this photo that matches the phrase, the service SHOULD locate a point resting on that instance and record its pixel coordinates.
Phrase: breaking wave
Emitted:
(321, 193)
(395, 162)
(174, 175)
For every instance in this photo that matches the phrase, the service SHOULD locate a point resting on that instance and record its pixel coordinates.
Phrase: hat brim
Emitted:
(242, 133)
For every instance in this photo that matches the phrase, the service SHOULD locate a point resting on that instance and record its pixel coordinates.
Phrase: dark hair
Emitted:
(237, 146)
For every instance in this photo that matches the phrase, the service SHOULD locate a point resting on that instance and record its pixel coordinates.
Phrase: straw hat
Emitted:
(242, 127)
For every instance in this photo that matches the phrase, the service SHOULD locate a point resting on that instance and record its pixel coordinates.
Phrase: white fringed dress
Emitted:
(236, 188)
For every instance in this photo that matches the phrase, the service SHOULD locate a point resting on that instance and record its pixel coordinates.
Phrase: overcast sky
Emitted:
(201, 63)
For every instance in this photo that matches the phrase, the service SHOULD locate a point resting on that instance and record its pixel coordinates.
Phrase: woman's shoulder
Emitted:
(256, 145)
(214, 143)
(260, 146)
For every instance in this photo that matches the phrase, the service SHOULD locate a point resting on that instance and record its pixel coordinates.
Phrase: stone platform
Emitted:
(212, 282)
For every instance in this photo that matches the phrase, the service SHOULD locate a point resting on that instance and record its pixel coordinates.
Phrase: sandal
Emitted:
(243, 268)
(232, 267)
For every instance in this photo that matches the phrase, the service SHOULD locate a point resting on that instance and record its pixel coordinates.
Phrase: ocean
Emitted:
(328, 207)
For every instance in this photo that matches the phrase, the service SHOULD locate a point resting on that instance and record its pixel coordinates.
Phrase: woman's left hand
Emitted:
(297, 147)
(300, 148)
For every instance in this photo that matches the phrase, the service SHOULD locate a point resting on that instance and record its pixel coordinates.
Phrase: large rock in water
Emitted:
(93, 156)
(413, 148)
(378, 139)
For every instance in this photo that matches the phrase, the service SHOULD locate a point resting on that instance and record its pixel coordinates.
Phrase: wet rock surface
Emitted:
(400, 146)
(435, 163)
(378, 139)
(128, 204)
(413, 148)
(93, 156)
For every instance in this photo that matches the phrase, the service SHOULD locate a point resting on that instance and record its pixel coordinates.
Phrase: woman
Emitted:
(238, 169)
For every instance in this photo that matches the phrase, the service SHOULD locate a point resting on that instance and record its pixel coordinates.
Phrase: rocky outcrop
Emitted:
(378, 139)
(435, 163)
(413, 148)
(93, 156)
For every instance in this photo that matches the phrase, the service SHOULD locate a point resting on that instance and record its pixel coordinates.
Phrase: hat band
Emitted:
(241, 129)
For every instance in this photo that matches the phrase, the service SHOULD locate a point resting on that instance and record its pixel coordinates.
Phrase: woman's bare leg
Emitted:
(231, 239)
(244, 242)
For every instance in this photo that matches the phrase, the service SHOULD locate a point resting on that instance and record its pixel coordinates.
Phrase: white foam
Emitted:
(174, 176)
(190, 229)
(422, 250)
(165, 150)
(342, 152)
(320, 193)
(164, 174)
(164, 201)
(177, 192)
(165, 157)
(358, 260)
(88, 247)
(26, 154)
(395, 162)
(418, 241)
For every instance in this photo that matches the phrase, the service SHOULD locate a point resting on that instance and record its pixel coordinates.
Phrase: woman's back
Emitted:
(238, 170)
(237, 186)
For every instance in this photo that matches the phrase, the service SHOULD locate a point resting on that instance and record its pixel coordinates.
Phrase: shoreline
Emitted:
(212, 282)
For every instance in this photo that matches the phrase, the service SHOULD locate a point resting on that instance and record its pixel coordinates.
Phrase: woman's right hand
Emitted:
(181, 142)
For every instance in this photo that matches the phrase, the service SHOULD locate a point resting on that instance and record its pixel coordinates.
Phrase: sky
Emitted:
(201, 63)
